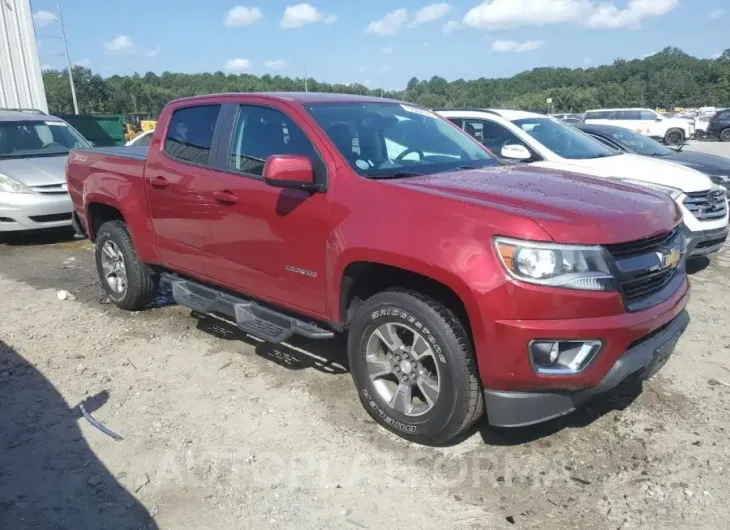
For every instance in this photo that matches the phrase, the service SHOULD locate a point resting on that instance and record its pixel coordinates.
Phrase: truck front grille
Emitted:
(643, 277)
(707, 205)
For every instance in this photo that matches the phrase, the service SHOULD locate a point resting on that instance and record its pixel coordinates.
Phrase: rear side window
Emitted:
(725, 115)
(648, 115)
(601, 115)
(261, 132)
(190, 134)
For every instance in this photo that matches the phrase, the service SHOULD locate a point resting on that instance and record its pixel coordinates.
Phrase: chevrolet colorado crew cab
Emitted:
(463, 285)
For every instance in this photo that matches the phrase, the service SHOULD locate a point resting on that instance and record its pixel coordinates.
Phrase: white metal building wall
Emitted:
(21, 83)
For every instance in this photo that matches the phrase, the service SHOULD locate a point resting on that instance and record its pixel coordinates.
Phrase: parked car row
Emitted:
(542, 141)
(472, 257)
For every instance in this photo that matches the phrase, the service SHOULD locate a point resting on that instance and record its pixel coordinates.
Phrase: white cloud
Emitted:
(120, 45)
(236, 66)
(277, 64)
(431, 13)
(610, 16)
(44, 18)
(386, 51)
(713, 56)
(240, 16)
(390, 24)
(83, 62)
(506, 14)
(502, 14)
(647, 55)
(450, 27)
(367, 82)
(154, 52)
(298, 15)
(717, 13)
(46, 67)
(510, 46)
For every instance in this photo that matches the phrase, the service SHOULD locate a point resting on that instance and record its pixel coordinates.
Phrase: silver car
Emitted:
(33, 151)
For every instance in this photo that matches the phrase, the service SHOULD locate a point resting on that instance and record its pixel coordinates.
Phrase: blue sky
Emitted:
(378, 42)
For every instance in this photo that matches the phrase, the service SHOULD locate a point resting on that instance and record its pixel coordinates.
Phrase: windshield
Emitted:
(564, 140)
(27, 139)
(391, 139)
(640, 143)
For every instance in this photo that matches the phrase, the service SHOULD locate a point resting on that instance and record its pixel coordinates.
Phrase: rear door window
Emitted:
(601, 115)
(632, 115)
(190, 134)
(648, 115)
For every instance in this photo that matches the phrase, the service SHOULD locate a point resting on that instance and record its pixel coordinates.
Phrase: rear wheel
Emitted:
(674, 137)
(129, 283)
(414, 367)
(725, 135)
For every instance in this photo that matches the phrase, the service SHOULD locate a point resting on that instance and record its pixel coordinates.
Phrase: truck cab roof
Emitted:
(299, 97)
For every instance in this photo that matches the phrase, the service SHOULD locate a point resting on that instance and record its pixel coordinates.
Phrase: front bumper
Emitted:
(644, 358)
(34, 211)
(705, 243)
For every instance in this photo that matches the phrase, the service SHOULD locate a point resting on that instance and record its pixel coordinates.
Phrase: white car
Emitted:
(672, 131)
(546, 142)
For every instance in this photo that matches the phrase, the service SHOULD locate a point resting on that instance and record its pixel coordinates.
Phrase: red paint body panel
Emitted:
(439, 226)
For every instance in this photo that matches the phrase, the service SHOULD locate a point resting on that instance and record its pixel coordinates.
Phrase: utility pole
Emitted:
(68, 60)
(306, 86)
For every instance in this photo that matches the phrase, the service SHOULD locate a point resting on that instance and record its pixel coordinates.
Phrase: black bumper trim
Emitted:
(704, 243)
(519, 409)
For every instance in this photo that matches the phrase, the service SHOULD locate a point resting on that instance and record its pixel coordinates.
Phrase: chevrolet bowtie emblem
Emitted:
(671, 259)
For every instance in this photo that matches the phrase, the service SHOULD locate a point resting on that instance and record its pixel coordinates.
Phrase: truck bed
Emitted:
(138, 152)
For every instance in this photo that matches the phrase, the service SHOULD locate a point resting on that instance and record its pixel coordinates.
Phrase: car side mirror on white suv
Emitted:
(515, 152)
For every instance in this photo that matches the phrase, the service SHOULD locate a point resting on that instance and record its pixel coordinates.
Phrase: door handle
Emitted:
(159, 182)
(225, 197)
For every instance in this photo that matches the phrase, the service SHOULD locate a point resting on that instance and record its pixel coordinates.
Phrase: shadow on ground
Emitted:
(49, 476)
(697, 264)
(327, 356)
(39, 237)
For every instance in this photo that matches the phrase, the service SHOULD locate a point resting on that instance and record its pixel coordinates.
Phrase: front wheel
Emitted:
(414, 367)
(129, 283)
(725, 135)
(674, 137)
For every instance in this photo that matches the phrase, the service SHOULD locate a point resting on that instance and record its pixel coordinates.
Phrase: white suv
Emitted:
(546, 142)
(672, 131)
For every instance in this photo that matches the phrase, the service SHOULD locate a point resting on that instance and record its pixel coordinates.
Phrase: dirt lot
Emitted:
(221, 431)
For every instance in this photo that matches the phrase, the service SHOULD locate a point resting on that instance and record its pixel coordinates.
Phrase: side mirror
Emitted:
(659, 118)
(515, 152)
(92, 144)
(290, 171)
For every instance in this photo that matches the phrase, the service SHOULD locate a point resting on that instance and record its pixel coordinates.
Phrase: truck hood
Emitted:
(635, 167)
(38, 171)
(571, 208)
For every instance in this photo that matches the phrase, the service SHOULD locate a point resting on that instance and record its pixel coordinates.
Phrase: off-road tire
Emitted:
(674, 137)
(460, 401)
(142, 280)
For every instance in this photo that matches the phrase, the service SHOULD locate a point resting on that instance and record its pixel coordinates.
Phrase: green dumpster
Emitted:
(101, 129)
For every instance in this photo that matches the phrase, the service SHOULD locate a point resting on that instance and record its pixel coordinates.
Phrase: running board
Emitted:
(252, 318)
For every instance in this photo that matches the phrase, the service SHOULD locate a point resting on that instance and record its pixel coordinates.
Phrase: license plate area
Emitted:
(661, 356)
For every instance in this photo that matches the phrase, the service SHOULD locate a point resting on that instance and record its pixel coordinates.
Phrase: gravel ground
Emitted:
(221, 431)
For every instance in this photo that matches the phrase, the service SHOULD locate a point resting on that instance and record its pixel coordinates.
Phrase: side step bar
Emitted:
(252, 318)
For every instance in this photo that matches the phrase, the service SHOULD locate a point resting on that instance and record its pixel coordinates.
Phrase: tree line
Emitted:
(667, 79)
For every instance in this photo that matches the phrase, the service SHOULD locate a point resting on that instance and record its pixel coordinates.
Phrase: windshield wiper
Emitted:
(397, 175)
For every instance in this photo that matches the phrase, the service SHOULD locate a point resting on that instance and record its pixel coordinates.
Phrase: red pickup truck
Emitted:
(463, 285)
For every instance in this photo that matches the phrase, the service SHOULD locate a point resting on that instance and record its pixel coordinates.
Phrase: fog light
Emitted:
(562, 356)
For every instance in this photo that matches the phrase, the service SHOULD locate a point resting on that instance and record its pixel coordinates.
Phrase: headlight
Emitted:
(567, 266)
(9, 185)
(674, 193)
(722, 180)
